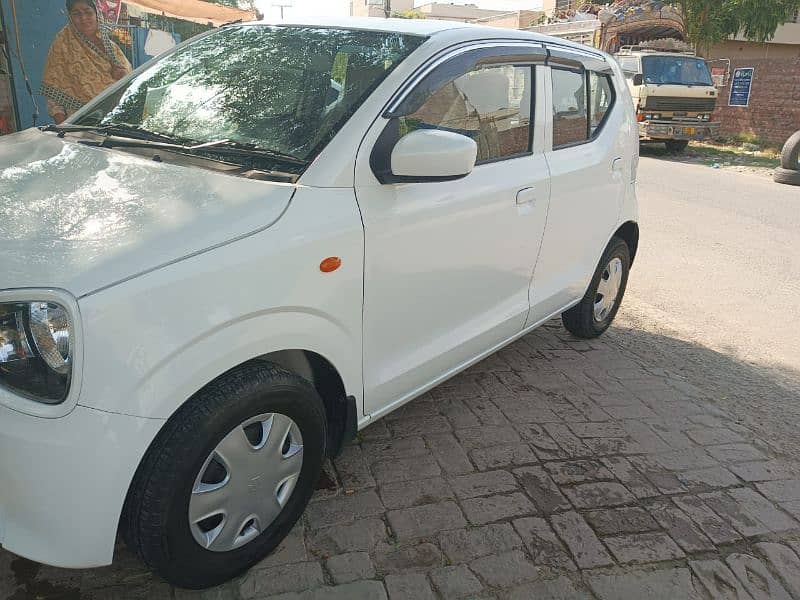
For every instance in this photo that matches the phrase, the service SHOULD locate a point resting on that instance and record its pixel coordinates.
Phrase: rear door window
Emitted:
(581, 102)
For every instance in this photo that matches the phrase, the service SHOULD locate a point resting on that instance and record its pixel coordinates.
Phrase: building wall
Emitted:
(374, 8)
(734, 49)
(773, 113)
(455, 12)
(520, 19)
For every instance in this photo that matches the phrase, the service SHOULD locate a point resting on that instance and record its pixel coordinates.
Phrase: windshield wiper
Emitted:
(219, 148)
(117, 129)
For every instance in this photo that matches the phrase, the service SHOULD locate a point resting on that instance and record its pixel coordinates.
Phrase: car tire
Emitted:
(790, 154)
(676, 146)
(596, 310)
(787, 176)
(211, 433)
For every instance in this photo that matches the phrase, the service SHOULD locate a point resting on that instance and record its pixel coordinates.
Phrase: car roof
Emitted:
(432, 28)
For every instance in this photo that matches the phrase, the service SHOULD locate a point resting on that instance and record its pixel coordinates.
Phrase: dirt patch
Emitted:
(742, 159)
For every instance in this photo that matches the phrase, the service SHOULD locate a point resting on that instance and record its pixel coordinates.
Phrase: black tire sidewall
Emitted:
(185, 562)
(786, 176)
(616, 249)
(791, 152)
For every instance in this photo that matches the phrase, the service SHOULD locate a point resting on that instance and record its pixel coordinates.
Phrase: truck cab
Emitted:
(673, 95)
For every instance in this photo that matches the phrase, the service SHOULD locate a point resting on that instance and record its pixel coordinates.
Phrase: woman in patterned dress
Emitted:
(83, 61)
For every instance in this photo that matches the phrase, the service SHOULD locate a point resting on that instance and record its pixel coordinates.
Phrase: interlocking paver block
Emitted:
(590, 430)
(710, 436)
(784, 562)
(756, 578)
(486, 411)
(615, 521)
(680, 527)
(643, 548)
(483, 484)
(505, 570)
(363, 535)
(503, 456)
(377, 450)
(280, 579)
(733, 453)
(581, 540)
(449, 454)
(353, 566)
(701, 480)
(425, 491)
(497, 508)
(569, 442)
(405, 469)
(409, 586)
(781, 490)
(545, 447)
(419, 425)
(458, 413)
(353, 469)
(463, 545)
(291, 550)
(707, 520)
(749, 512)
(428, 519)
(390, 558)
(487, 436)
(543, 544)
(343, 509)
(561, 588)
(578, 471)
(542, 489)
(665, 584)
(599, 495)
(719, 580)
(630, 477)
(520, 409)
(763, 470)
(455, 581)
(363, 590)
(685, 460)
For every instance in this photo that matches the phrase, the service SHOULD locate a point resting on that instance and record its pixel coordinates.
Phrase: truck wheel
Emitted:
(676, 146)
(227, 477)
(790, 154)
(595, 312)
(787, 176)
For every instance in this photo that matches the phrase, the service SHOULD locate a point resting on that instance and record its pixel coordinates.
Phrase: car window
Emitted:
(601, 97)
(570, 118)
(492, 105)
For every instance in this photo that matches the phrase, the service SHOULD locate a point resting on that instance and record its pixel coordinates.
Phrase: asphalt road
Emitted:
(718, 272)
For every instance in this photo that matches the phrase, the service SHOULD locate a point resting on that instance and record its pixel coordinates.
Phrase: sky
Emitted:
(342, 7)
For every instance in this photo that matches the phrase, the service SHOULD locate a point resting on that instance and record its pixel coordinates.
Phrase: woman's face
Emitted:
(84, 18)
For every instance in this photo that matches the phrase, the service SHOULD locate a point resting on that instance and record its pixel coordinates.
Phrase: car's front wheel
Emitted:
(228, 477)
(595, 312)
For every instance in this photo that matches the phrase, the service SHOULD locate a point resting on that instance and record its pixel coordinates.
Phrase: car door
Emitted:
(588, 150)
(448, 263)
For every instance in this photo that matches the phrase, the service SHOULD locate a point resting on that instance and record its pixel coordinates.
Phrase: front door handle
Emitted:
(526, 196)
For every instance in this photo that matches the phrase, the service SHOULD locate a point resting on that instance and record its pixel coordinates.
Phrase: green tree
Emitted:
(409, 14)
(233, 3)
(711, 21)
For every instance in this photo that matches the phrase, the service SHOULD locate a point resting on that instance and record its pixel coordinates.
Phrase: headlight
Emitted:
(36, 345)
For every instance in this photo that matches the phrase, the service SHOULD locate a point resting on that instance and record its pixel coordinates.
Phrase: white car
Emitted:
(212, 275)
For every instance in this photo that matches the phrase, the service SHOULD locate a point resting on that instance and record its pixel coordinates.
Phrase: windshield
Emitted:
(287, 90)
(678, 70)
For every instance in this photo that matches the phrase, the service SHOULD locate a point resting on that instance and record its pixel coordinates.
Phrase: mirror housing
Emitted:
(638, 79)
(432, 155)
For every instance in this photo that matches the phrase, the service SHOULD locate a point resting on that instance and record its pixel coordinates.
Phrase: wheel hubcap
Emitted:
(607, 289)
(245, 482)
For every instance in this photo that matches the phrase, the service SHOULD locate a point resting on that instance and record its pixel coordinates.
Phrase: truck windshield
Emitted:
(286, 90)
(677, 70)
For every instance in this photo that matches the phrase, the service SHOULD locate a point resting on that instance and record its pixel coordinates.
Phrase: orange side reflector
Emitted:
(330, 264)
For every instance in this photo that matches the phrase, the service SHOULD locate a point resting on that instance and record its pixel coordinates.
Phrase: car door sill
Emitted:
(456, 370)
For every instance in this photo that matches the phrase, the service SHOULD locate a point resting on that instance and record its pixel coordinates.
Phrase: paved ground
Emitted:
(636, 466)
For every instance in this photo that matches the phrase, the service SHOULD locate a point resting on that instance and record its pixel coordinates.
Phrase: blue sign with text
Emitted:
(741, 83)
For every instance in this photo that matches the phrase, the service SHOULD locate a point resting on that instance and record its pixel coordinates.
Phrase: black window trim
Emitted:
(590, 136)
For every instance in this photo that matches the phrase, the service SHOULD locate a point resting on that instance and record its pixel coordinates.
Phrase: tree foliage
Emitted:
(710, 21)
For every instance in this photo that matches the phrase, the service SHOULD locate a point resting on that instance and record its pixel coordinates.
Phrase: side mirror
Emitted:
(638, 79)
(433, 155)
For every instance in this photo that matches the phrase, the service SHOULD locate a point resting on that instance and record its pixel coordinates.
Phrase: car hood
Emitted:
(81, 218)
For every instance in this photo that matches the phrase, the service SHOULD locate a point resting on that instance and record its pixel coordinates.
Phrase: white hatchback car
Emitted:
(266, 239)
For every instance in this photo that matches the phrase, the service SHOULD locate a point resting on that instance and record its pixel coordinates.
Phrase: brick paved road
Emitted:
(557, 468)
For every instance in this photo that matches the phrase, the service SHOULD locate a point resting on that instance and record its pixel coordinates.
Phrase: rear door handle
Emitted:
(616, 165)
(526, 196)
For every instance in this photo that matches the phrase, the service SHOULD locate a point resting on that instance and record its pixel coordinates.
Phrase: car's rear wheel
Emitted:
(228, 477)
(595, 312)
(676, 146)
